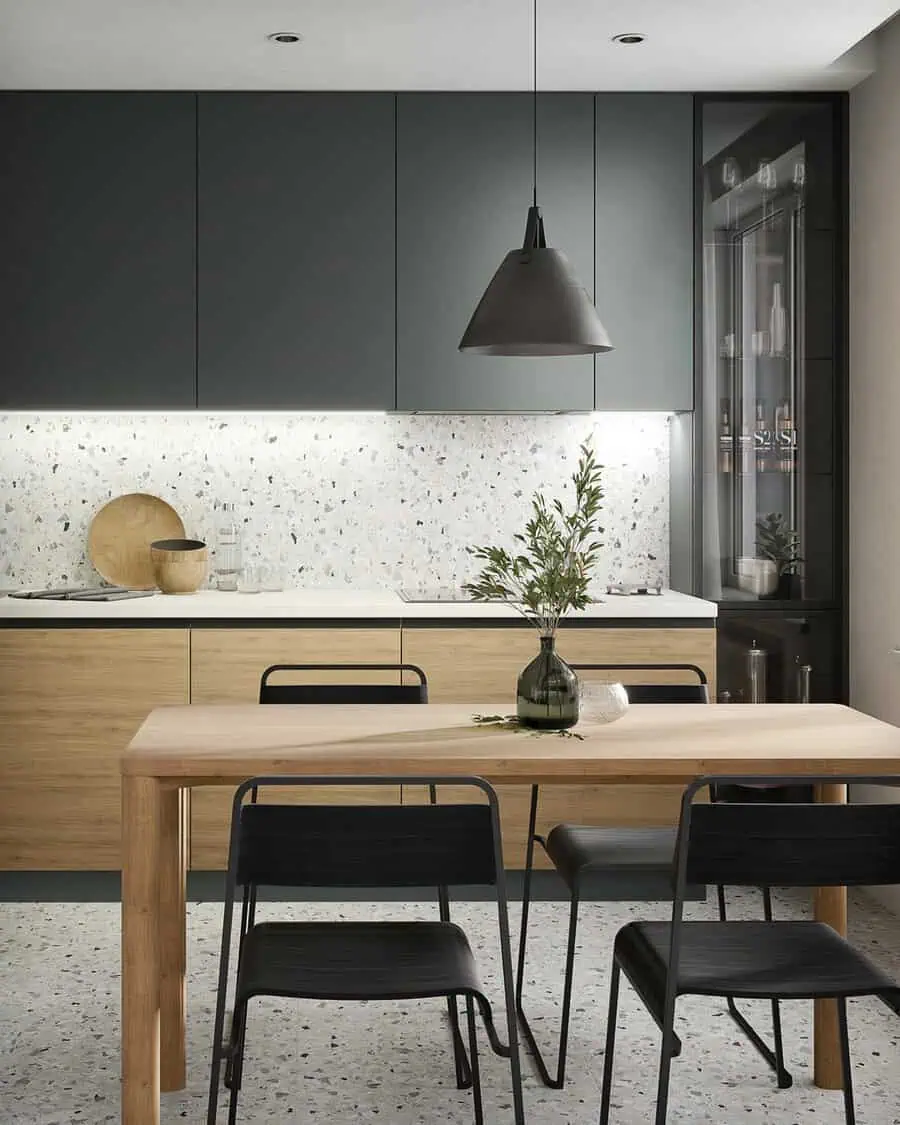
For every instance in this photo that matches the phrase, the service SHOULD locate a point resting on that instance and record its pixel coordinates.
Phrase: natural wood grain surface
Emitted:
(181, 569)
(121, 533)
(658, 743)
(70, 700)
(226, 665)
(830, 906)
(142, 853)
(174, 830)
(472, 663)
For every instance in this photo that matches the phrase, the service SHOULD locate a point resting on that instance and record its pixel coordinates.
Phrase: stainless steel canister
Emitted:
(804, 678)
(756, 674)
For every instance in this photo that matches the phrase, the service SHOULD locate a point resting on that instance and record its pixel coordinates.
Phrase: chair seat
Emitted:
(357, 961)
(576, 849)
(777, 960)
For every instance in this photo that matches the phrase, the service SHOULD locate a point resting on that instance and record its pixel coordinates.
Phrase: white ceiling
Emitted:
(436, 44)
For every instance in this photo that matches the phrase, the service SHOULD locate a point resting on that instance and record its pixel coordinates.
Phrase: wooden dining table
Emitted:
(178, 748)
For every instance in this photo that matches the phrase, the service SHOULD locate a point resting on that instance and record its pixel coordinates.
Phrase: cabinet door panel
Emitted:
(226, 665)
(645, 252)
(296, 250)
(97, 225)
(464, 175)
(481, 666)
(72, 699)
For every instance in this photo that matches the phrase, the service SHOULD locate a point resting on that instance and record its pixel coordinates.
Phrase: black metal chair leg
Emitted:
(218, 1055)
(665, 1070)
(775, 1058)
(846, 1066)
(557, 1082)
(212, 1105)
(606, 1092)
(236, 1060)
(783, 1077)
(460, 1059)
(232, 1105)
(237, 1057)
(473, 1056)
(526, 895)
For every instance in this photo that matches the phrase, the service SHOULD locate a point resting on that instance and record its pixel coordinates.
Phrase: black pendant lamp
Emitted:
(535, 305)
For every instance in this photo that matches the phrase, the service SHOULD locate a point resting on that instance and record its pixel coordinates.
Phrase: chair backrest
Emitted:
(658, 693)
(344, 693)
(769, 843)
(364, 845)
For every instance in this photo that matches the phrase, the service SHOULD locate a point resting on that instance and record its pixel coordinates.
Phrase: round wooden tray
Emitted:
(121, 533)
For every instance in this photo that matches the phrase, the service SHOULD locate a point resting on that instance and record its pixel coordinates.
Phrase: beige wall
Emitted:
(875, 388)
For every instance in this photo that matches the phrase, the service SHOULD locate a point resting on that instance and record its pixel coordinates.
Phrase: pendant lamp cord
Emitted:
(534, 103)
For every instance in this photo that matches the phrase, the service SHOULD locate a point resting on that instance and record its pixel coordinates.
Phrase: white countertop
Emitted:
(358, 604)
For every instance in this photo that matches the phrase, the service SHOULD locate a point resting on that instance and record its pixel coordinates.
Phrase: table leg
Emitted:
(140, 950)
(173, 865)
(830, 907)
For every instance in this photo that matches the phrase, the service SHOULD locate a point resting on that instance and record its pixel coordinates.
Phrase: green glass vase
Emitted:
(547, 691)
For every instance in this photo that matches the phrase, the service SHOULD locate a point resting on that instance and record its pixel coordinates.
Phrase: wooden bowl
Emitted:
(180, 566)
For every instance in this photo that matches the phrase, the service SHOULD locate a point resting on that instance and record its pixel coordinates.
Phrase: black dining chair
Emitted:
(767, 844)
(344, 846)
(390, 692)
(349, 693)
(577, 851)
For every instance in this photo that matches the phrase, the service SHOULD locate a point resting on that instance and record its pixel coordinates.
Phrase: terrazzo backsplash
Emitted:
(336, 499)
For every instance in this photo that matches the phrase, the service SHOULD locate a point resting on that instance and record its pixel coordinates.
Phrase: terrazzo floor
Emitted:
(315, 1062)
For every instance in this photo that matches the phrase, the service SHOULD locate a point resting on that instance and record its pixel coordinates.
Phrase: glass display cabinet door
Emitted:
(766, 525)
(759, 404)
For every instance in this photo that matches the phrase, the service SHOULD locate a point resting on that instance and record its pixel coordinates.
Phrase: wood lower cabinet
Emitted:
(71, 701)
(482, 664)
(226, 665)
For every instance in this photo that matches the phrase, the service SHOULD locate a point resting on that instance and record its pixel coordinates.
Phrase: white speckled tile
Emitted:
(337, 499)
(316, 1062)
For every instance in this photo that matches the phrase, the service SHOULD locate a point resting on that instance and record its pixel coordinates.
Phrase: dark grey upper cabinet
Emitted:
(644, 231)
(97, 236)
(296, 250)
(464, 173)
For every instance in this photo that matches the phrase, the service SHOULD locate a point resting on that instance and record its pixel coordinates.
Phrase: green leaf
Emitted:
(550, 571)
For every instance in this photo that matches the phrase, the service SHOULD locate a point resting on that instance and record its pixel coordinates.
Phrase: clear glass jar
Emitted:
(227, 560)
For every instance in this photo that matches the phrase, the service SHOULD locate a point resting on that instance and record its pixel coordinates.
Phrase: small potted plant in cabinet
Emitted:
(778, 542)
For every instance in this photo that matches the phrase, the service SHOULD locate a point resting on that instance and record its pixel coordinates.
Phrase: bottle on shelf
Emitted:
(746, 454)
(785, 437)
(726, 439)
(777, 322)
(762, 439)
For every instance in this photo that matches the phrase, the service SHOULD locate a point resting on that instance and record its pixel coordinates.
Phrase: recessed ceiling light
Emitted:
(629, 38)
(284, 37)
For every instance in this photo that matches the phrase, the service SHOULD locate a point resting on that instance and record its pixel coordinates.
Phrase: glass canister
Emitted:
(227, 560)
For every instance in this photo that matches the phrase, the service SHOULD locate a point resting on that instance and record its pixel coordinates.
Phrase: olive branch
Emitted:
(548, 571)
(512, 722)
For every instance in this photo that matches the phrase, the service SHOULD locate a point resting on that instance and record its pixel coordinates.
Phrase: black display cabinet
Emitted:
(771, 337)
